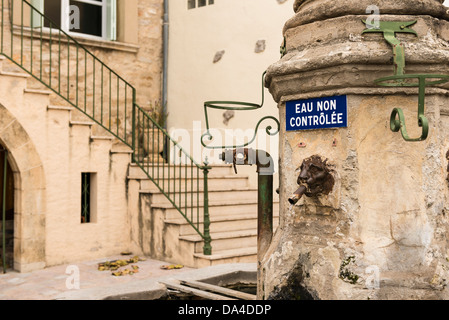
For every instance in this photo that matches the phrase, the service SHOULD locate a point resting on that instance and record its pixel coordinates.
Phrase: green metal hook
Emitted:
(397, 125)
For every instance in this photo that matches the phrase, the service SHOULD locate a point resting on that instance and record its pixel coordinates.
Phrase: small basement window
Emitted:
(88, 197)
(192, 4)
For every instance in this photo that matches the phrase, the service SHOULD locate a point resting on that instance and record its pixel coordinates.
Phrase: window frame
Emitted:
(109, 19)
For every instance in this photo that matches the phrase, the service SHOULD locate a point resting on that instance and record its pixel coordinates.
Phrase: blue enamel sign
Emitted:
(317, 113)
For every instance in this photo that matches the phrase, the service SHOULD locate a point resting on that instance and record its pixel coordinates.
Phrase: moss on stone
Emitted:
(345, 274)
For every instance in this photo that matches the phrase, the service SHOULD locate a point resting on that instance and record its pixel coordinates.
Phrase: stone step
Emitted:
(37, 91)
(81, 123)
(101, 142)
(15, 74)
(59, 108)
(186, 199)
(162, 171)
(84, 122)
(174, 183)
(225, 240)
(102, 139)
(219, 208)
(241, 255)
(222, 223)
(80, 132)
(106, 138)
(121, 149)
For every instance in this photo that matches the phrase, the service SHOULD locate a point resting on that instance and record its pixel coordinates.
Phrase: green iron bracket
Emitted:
(389, 30)
(400, 79)
(239, 155)
(237, 106)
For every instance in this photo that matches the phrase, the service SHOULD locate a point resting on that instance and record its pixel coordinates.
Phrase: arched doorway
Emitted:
(6, 212)
(28, 199)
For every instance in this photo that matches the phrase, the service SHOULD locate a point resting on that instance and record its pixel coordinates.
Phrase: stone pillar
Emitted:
(381, 231)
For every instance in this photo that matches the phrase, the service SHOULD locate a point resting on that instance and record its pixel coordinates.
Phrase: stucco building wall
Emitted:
(219, 52)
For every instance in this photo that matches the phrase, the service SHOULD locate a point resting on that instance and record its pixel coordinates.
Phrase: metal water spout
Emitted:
(297, 195)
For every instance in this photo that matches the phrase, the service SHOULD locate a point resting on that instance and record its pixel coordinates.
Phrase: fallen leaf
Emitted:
(171, 267)
(134, 260)
(115, 265)
(122, 263)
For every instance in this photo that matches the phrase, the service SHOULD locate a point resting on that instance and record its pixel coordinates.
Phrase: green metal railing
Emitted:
(38, 46)
(182, 180)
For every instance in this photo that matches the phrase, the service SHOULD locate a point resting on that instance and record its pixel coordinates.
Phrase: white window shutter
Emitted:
(36, 18)
(111, 18)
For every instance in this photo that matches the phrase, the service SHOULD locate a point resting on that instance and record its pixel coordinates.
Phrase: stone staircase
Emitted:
(233, 215)
(67, 144)
(157, 228)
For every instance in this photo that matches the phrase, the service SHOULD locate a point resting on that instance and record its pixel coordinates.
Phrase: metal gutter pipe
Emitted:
(165, 59)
